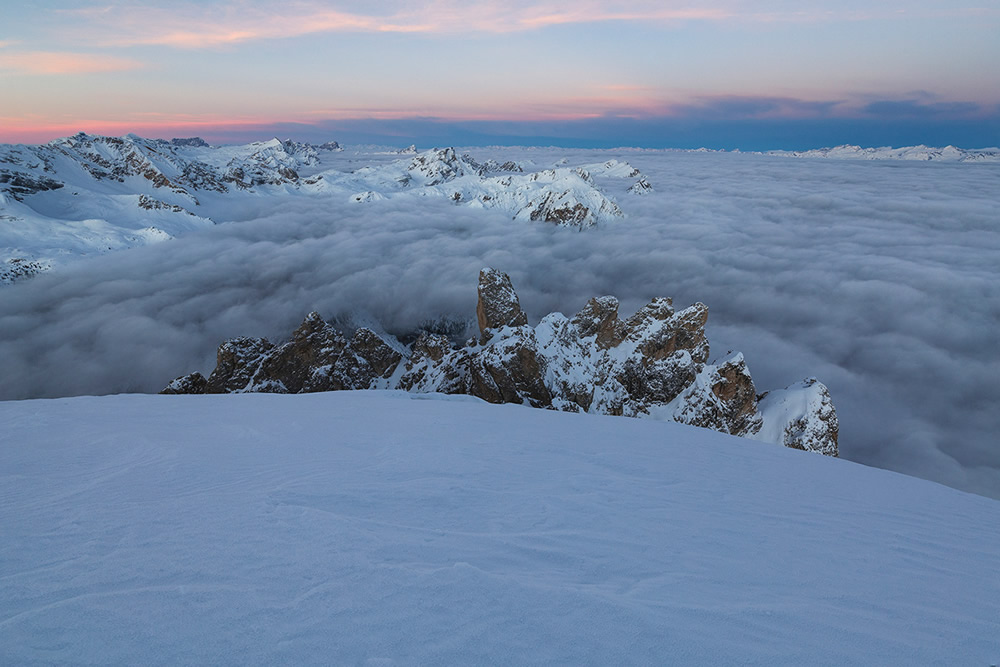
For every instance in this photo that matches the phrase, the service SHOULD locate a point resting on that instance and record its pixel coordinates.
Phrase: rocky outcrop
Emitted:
(194, 142)
(498, 305)
(641, 187)
(16, 269)
(20, 184)
(317, 358)
(801, 416)
(438, 166)
(653, 364)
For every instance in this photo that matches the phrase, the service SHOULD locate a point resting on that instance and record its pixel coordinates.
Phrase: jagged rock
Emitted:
(196, 142)
(509, 371)
(150, 204)
(641, 187)
(433, 366)
(192, 383)
(366, 358)
(498, 304)
(800, 416)
(560, 209)
(599, 318)
(318, 358)
(654, 364)
(438, 166)
(236, 365)
(20, 184)
(17, 269)
(721, 397)
(315, 344)
(430, 345)
(659, 332)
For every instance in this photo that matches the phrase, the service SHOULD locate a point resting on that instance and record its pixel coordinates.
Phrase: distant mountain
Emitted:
(919, 153)
(85, 195)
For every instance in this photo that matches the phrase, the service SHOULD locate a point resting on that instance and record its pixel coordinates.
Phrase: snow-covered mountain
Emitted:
(85, 195)
(654, 364)
(918, 153)
(383, 528)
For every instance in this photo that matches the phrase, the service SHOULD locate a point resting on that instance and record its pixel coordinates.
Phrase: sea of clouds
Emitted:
(882, 279)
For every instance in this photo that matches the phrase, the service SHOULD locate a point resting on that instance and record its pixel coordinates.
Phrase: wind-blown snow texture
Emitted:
(264, 529)
(880, 277)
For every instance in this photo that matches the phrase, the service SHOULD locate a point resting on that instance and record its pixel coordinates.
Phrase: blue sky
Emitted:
(729, 74)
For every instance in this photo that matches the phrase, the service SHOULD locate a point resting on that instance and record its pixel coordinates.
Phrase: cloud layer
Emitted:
(878, 278)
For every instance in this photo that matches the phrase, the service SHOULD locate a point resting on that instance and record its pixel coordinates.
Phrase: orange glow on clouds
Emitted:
(39, 129)
(53, 62)
(36, 130)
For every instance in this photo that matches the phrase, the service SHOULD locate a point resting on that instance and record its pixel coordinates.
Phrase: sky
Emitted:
(576, 73)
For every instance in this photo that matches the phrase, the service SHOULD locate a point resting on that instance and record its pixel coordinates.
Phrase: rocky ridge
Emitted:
(653, 364)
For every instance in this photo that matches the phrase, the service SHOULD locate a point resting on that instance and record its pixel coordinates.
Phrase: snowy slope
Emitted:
(268, 529)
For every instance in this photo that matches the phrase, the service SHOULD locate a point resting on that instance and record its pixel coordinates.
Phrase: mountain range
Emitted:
(85, 195)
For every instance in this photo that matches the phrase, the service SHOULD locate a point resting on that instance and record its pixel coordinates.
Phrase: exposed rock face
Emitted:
(721, 397)
(498, 304)
(195, 383)
(641, 187)
(318, 358)
(237, 364)
(20, 185)
(20, 268)
(654, 364)
(150, 204)
(196, 142)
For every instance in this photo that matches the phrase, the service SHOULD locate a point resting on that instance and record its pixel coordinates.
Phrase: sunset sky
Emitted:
(725, 74)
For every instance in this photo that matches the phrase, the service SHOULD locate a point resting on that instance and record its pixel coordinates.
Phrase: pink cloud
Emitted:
(199, 26)
(57, 62)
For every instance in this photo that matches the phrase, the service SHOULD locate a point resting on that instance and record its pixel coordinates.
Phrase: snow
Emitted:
(385, 528)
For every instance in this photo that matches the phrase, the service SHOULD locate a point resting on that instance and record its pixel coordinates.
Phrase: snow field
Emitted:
(385, 528)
